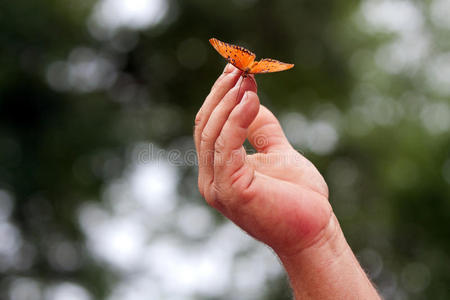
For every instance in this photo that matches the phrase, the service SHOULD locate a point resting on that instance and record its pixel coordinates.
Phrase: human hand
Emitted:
(276, 194)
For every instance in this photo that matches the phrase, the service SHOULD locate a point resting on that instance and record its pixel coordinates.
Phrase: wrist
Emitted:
(326, 248)
(327, 269)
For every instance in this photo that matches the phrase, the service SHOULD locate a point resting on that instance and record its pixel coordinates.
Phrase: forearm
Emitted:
(328, 269)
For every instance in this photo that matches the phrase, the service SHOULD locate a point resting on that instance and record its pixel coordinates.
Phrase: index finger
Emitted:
(224, 83)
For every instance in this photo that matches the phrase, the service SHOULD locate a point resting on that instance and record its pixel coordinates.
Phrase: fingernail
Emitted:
(228, 68)
(236, 71)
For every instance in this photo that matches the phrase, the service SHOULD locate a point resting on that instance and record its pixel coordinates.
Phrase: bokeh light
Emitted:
(98, 186)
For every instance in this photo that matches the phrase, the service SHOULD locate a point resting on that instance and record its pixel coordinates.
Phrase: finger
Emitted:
(229, 156)
(214, 126)
(265, 133)
(223, 84)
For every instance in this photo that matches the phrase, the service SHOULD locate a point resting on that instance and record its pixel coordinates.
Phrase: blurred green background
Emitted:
(98, 195)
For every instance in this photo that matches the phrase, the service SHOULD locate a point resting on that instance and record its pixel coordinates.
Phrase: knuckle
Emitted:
(219, 145)
(204, 138)
(215, 190)
(200, 186)
(211, 195)
(217, 195)
(211, 202)
(247, 194)
(325, 190)
(244, 186)
(198, 119)
(219, 161)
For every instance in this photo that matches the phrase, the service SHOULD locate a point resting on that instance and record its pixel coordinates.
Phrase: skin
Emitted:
(275, 195)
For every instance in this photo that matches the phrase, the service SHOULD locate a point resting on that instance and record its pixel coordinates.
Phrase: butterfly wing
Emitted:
(268, 65)
(238, 56)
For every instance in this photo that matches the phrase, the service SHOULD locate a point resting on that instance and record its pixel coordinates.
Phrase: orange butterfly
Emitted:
(244, 59)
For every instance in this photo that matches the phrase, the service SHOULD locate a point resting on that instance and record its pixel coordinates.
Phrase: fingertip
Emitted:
(229, 68)
(249, 107)
(253, 79)
(251, 96)
(244, 84)
(252, 100)
(250, 79)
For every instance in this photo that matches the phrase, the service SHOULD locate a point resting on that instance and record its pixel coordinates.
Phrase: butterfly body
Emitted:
(244, 59)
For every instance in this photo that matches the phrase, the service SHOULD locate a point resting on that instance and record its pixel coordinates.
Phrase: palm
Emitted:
(290, 200)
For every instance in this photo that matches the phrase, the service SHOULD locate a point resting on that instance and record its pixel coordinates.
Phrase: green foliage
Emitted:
(386, 157)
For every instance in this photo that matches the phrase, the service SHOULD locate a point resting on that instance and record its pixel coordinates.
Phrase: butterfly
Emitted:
(244, 59)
